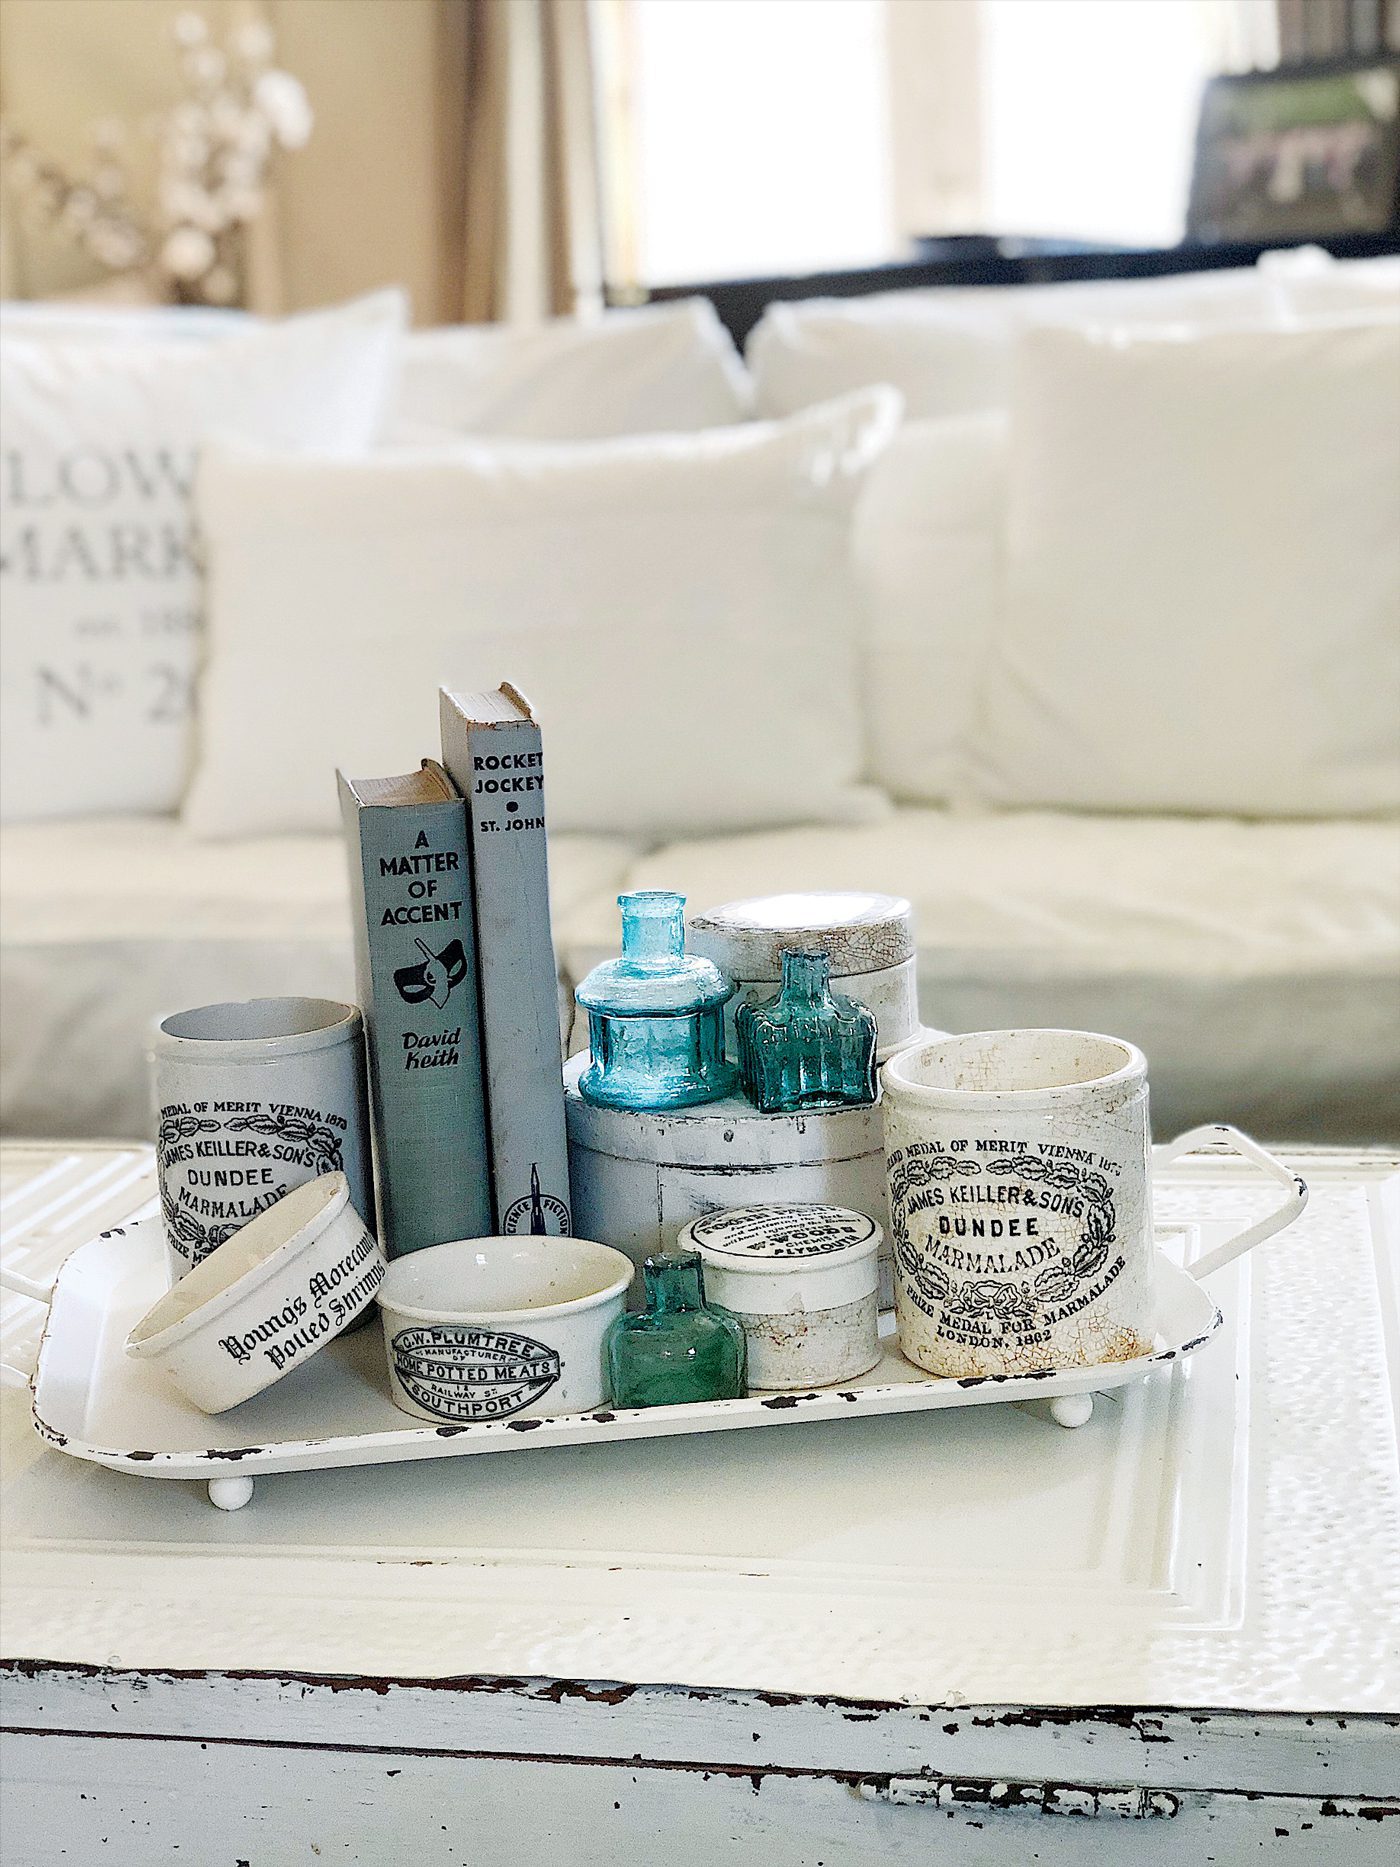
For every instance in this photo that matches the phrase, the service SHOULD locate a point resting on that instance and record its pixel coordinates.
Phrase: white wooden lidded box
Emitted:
(636, 1178)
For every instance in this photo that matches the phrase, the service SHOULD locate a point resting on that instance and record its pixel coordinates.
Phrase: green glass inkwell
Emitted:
(656, 1015)
(679, 1347)
(806, 1047)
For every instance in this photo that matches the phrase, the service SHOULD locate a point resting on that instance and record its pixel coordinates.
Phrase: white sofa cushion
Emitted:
(56, 321)
(928, 548)
(652, 369)
(656, 369)
(1202, 608)
(1310, 283)
(683, 610)
(1254, 962)
(108, 924)
(101, 613)
(948, 350)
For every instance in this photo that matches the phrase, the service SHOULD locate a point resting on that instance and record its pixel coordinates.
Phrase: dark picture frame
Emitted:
(1303, 151)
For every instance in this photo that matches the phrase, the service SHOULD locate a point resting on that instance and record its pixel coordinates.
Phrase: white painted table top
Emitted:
(1227, 1534)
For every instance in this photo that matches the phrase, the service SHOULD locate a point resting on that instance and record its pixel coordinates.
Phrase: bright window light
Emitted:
(760, 137)
(1090, 114)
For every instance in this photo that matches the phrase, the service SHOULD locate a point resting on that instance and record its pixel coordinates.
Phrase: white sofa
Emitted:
(1256, 961)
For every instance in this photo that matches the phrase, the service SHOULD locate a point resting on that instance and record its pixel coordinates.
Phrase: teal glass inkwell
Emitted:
(806, 1047)
(679, 1347)
(656, 1015)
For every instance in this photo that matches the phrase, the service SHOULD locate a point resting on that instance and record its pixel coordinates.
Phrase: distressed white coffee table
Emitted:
(959, 1637)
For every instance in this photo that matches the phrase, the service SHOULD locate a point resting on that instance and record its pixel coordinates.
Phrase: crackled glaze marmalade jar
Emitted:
(1020, 1199)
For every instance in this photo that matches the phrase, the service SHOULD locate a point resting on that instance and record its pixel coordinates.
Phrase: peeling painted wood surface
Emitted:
(134, 1802)
(1312, 1755)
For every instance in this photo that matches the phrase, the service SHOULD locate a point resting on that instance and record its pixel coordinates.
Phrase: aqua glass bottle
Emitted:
(807, 1047)
(679, 1347)
(655, 1016)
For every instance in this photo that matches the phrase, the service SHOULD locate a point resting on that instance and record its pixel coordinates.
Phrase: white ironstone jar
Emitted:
(254, 1099)
(802, 1280)
(1020, 1200)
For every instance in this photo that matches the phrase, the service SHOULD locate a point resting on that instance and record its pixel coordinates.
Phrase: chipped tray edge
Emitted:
(919, 1393)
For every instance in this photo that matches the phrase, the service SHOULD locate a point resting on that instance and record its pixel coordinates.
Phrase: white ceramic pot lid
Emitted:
(783, 1238)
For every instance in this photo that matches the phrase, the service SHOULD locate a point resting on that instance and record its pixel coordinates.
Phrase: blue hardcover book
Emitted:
(415, 968)
(492, 749)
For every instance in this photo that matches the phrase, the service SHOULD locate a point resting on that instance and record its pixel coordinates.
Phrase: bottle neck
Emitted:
(806, 978)
(674, 1282)
(653, 925)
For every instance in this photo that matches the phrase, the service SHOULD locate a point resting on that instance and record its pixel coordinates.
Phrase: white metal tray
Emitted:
(92, 1402)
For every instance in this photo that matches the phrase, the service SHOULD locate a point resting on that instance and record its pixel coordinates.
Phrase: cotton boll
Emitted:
(188, 253)
(283, 101)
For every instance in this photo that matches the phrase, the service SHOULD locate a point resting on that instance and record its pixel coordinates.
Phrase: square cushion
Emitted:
(1203, 574)
(666, 368)
(98, 565)
(57, 321)
(928, 548)
(683, 610)
(948, 350)
(1310, 283)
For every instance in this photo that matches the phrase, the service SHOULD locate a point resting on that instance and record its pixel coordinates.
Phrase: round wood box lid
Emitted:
(859, 932)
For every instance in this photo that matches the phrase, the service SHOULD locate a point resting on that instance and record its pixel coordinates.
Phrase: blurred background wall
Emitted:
(373, 199)
(502, 158)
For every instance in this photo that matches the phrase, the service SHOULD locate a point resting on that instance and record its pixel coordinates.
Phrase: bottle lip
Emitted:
(657, 903)
(672, 1261)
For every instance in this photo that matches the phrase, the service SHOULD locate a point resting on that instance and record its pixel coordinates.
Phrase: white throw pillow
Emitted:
(948, 350)
(1203, 575)
(52, 321)
(1309, 283)
(99, 625)
(683, 610)
(928, 547)
(667, 368)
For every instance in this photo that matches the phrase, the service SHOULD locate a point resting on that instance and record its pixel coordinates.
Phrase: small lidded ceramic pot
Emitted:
(802, 1280)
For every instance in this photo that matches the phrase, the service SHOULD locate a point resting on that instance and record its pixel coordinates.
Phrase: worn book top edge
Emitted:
(506, 706)
(430, 784)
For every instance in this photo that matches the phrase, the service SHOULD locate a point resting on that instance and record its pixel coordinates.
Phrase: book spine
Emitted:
(499, 768)
(415, 967)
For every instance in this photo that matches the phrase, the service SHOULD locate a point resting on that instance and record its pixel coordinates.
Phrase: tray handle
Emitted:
(11, 1376)
(1248, 1149)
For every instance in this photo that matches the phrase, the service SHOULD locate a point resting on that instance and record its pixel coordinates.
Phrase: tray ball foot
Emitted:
(1072, 1410)
(230, 1493)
